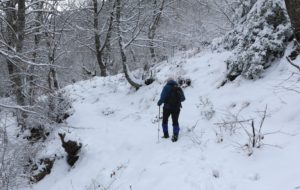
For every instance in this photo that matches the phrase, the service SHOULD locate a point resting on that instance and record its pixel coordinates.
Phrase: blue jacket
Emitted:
(166, 90)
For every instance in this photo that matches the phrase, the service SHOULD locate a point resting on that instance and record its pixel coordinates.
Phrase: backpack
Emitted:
(174, 98)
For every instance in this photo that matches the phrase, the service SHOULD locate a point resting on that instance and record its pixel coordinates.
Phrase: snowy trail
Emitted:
(117, 129)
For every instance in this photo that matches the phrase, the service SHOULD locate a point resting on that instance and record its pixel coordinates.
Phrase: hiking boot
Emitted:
(166, 135)
(174, 138)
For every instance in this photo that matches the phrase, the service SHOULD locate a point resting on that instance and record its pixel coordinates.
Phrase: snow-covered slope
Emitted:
(118, 129)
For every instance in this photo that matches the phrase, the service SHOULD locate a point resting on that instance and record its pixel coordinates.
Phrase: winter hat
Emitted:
(169, 79)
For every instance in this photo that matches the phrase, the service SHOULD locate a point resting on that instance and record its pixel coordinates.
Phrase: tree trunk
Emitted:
(37, 39)
(123, 55)
(16, 20)
(15, 37)
(153, 26)
(97, 41)
(52, 44)
(107, 44)
(52, 80)
(293, 9)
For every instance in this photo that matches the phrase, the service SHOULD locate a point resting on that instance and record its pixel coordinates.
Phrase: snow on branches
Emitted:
(260, 38)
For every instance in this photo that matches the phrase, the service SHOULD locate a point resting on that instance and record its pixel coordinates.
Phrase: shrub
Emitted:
(257, 41)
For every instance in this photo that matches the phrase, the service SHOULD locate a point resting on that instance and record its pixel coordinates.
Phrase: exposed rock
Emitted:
(149, 81)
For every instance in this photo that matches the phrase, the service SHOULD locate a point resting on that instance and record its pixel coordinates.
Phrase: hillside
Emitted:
(118, 129)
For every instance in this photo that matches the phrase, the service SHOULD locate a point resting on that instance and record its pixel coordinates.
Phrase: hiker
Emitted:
(172, 96)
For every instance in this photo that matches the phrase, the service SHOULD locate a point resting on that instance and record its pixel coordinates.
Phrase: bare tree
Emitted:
(38, 6)
(95, 19)
(157, 14)
(31, 46)
(98, 48)
(135, 31)
(15, 34)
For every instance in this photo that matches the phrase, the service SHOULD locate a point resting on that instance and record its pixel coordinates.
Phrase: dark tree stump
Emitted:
(71, 148)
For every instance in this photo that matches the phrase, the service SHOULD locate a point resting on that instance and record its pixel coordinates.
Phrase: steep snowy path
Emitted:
(118, 130)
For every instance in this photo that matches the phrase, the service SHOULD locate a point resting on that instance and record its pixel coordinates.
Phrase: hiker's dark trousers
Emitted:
(175, 115)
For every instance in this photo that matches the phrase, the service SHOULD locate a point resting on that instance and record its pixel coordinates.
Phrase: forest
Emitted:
(80, 81)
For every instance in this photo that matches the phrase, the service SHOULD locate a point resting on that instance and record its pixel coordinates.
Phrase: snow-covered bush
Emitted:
(56, 106)
(17, 154)
(241, 9)
(260, 38)
(40, 168)
(48, 112)
(14, 155)
(60, 107)
(249, 129)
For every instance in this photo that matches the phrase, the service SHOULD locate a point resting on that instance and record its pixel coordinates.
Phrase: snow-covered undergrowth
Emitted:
(118, 129)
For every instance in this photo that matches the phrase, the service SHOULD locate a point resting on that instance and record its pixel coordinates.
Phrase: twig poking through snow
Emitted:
(293, 64)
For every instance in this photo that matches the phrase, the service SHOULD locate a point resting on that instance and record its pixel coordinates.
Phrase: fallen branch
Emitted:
(233, 122)
(21, 108)
(293, 64)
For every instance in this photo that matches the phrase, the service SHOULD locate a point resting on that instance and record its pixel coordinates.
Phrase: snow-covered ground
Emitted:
(118, 129)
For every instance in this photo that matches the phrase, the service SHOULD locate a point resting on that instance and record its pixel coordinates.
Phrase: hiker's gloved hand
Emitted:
(159, 103)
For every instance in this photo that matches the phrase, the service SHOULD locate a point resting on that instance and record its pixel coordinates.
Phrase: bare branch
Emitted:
(16, 107)
(293, 64)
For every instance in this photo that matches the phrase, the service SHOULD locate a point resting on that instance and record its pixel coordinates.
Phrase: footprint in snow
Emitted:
(254, 177)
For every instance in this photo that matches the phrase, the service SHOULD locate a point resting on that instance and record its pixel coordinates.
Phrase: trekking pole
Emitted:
(158, 124)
